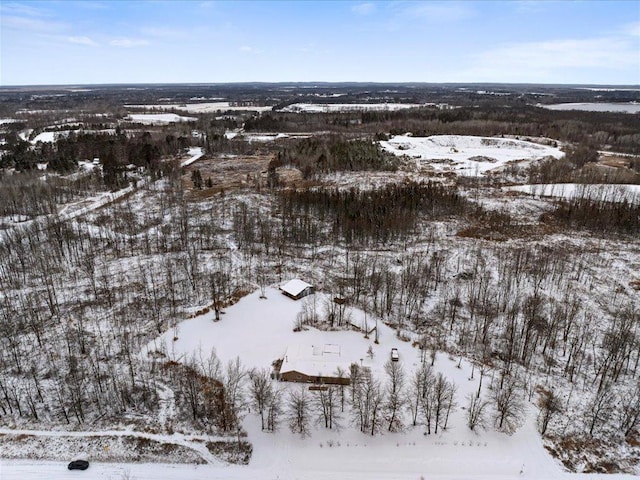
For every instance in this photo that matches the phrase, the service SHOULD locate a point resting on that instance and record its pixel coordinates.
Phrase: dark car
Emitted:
(78, 465)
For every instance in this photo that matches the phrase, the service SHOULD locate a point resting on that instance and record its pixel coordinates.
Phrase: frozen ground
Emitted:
(467, 155)
(602, 192)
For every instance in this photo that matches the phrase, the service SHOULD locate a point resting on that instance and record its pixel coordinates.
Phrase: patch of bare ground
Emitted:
(609, 170)
(223, 173)
(500, 227)
(503, 234)
(235, 297)
(97, 448)
(583, 454)
(232, 452)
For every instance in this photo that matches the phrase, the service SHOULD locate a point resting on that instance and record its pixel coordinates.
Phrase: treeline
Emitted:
(114, 151)
(373, 216)
(336, 154)
(597, 216)
(27, 196)
(595, 129)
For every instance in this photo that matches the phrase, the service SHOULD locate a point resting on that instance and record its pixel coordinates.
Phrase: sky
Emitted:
(59, 42)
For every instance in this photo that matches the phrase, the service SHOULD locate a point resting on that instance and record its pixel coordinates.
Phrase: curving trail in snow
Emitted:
(193, 442)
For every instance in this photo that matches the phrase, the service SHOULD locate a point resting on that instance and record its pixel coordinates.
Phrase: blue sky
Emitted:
(80, 42)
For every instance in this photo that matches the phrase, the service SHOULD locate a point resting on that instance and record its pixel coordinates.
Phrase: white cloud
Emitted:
(555, 60)
(166, 33)
(82, 41)
(93, 5)
(22, 9)
(632, 29)
(363, 8)
(31, 24)
(600, 52)
(129, 42)
(249, 50)
(437, 11)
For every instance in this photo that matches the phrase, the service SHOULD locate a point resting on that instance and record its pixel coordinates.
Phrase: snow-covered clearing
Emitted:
(158, 118)
(595, 107)
(45, 137)
(467, 155)
(350, 107)
(600, 192)
(259, 332)
(195, 154)
(210, 107)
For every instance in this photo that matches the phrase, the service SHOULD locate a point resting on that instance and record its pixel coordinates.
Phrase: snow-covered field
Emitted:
(595, 107)
(210, 107)
(158, 118)
(601, 192)
(467, 155)
(46, 137)
(349, 107)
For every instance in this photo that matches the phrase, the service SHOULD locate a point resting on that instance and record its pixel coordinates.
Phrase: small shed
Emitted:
(297, 289)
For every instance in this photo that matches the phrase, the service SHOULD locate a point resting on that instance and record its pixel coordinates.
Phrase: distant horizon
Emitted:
(328, 83)
(102, 42)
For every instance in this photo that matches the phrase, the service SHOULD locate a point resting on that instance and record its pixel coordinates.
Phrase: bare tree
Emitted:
(598, 410)
(234, 397)
(549, 405)
(476, 413)
(419, 388)
(261, 391)
(298, 411)
(629, 412)
(325, 404)
(366, 405)
(274, 409)
(509, 406)
(395, 398)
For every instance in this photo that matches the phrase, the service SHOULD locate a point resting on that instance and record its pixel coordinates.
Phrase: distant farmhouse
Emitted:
(297, 289)
(317, 364)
